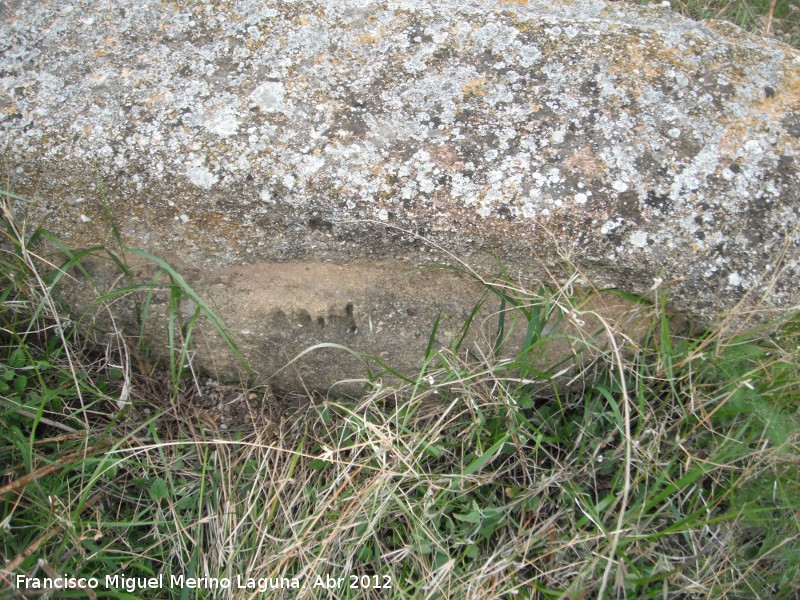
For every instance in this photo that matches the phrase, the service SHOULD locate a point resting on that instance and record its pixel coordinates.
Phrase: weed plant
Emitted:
(664, 470)
(779, 19)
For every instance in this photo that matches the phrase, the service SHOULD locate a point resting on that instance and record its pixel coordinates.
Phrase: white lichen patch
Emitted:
(528, 210)
(610, 225)
(753, 148)
(620, 186)
(269, 96)
(311, 164)
(638, 239)
(485, 210)
(222, 121)
(200, 176)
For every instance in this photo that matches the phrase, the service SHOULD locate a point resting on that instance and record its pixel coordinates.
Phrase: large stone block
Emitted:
(634, 142)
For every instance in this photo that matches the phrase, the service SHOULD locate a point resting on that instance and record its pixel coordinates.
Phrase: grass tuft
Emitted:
(779, 19)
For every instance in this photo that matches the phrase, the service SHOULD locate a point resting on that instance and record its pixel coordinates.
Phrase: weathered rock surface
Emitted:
(637, 143)
(389, 314)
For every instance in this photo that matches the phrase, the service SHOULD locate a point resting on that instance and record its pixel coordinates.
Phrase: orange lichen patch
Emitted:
(635, 58)
(368, 38)
(650, 72)
(519, 2)
(785, 99)
(737, 133)
(633, 54)
(776, 104)
(475, 87)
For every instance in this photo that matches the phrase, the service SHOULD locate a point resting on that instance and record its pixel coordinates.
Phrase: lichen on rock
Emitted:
(636, 142)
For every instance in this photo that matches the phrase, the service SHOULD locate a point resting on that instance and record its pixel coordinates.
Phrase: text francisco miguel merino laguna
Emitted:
(133, 584)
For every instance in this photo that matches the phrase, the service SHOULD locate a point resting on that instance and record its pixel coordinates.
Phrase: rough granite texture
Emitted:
(636, 143)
